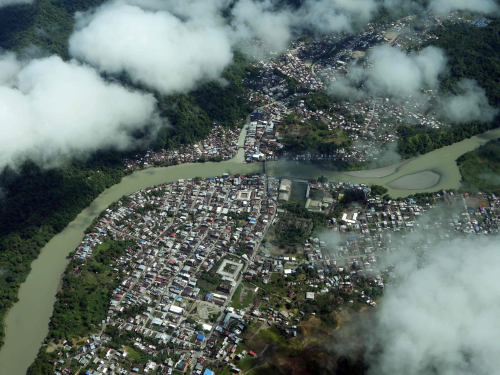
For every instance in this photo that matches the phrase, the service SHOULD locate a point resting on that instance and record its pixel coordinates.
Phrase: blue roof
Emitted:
(208, 372)
(200, 337)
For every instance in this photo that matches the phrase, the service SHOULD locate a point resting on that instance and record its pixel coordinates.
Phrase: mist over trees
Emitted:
(472, 53)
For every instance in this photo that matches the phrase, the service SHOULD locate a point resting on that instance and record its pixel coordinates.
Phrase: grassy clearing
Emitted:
(206, 286)
(102, 247)
(133, 356)
(247, 363)
(235, 302)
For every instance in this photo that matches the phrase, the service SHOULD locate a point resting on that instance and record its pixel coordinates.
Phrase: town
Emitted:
(212, 264)
(349, 130)
(202, 274)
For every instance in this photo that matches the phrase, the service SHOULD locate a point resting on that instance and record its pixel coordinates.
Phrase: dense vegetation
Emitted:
(86, 291)
(83, 301)
(46, 24)
(480, 169)
(193, 115)
(421, 139)
(472, 53)
(36, 205)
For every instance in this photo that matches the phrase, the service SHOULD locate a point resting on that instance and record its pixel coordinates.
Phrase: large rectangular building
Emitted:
(285, 186)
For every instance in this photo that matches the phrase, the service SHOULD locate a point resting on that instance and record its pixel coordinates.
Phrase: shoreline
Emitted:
(412, 181)
(378, 172)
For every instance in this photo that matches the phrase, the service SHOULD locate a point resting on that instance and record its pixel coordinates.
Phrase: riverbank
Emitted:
(379, 172)
(29, 317)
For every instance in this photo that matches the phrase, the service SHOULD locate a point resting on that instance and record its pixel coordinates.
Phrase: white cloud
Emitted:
(443, 319)
(50, 108)
(445, 6)
(174, 46)
(469, 104)
(258, 20)
(276, 28)
(395, 73)
(154, 47)
(4, 3)
(334, 16)
(9, 67)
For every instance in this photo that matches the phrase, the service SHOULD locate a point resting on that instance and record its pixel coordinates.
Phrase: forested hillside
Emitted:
(38, 204)
(473, 52)
(480, 169)
(46, 24)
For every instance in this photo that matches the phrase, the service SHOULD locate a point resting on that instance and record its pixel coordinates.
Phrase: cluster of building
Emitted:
(197, 232)
(480, 22)
(369, 122)
(181, 231)
(262, 140)
(221, 144)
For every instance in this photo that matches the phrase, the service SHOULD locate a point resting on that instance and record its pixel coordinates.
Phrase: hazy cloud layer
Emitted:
(258, 20)
(395, 73)
(173, 46)
(4, 3)
(50, 108)
(443, 319)
(398, 74)
(445, 6)
(470, 104)
(276, 28)
(155, 48)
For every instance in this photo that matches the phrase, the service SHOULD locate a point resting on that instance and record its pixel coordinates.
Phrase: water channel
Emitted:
(27, 321)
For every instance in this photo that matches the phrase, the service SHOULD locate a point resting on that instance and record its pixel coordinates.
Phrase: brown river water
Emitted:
(27, 321)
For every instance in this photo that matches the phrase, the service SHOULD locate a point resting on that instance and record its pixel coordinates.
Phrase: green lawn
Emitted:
(102, 247)
(238, 303)
(247, 363)
(132, 356)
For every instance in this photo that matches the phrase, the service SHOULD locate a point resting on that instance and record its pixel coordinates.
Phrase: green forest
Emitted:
(472, 53)
(480, 169)
(86, 291)
(37, 204)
